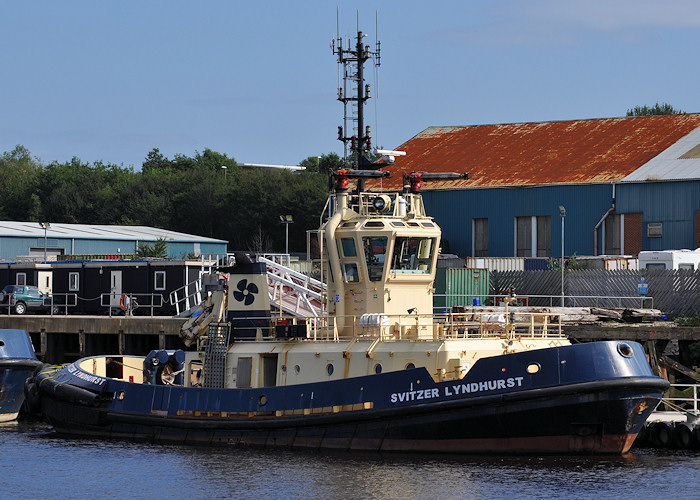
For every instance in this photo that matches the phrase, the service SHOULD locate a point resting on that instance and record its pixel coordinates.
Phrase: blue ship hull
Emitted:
(17, 362)
(582, 398)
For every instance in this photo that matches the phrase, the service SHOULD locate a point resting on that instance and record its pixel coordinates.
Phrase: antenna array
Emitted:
(353, 92)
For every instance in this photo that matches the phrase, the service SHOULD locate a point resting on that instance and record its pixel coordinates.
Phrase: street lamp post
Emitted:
(286, 220)
(46, 226)
(224, 168)
(562, 213)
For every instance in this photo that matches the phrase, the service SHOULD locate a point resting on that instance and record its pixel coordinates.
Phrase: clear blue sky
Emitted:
(111, 80)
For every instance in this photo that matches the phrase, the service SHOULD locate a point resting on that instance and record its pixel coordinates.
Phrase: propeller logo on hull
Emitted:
(246, 292)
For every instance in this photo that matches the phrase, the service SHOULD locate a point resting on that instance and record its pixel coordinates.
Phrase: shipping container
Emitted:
(496, 263)
(460, 286)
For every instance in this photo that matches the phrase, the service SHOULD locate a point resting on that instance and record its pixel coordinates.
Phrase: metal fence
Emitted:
(674, 292)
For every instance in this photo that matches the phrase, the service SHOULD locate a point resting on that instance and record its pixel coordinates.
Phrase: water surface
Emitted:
(34, 462)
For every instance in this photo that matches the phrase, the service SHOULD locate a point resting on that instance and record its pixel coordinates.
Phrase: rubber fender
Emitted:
(696, 437)
(68, 392)
(32, 400)
(642, 436)
(39, 369)
(683, 438)
(661, 434)
(20, 363)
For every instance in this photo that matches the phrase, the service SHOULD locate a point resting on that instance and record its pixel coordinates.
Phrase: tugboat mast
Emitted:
(358, 135)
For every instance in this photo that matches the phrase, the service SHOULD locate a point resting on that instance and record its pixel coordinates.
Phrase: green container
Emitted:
(459, 287)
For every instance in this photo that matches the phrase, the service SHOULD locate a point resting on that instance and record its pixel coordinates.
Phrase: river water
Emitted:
(36, 463)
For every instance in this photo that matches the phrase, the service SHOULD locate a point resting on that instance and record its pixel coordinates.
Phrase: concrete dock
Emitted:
(61, 339)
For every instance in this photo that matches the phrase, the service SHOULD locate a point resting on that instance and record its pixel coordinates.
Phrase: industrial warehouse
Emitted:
(620, 185)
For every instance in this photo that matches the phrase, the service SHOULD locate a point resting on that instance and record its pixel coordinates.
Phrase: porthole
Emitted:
(625, 349)
(120, 395)
(297, 369)
(410, 366)
(2, 343)
(533, 368)
(378, 368)
(262, 400)
(329, 368)
(284, 368)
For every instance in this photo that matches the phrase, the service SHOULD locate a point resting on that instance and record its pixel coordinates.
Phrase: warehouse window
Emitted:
(481, 237)
(537, 229)
(544, 236)
(159, 280)
(21, 279)
(523, 236)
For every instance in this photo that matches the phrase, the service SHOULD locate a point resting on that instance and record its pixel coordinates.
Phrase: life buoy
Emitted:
(124, 302)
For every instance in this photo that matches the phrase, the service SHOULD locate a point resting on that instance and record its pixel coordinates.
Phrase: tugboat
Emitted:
(17, 362)
(375, 369)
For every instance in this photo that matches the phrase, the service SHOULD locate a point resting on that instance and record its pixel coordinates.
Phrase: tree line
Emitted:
(192, 195)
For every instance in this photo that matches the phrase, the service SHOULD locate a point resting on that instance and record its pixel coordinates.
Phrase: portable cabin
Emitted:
(96, 286)
(670, 259)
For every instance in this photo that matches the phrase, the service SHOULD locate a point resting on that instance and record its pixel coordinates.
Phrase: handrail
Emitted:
(693, 400)
(65, 305)
(128, 302)
(570, 300)
(190, 299)
(47, 302)
(514, 326)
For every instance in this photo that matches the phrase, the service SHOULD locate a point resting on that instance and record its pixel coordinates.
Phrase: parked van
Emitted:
(670, 259)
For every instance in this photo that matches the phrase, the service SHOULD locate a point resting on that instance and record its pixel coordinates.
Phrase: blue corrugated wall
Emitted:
(674, 204)
(454, 211)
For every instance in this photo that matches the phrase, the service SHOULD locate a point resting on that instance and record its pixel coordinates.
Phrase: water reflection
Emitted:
(36, 462)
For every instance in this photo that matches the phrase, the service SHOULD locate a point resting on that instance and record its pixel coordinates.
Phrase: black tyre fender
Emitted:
(32, 400)
(683, 436)
(661, 434)
(642, 436)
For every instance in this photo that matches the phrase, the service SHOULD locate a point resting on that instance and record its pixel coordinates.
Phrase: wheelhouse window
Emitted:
(375, 252)
(412, 255)
(159, 281)
(348, 245)
(73, 282)
(351, 274)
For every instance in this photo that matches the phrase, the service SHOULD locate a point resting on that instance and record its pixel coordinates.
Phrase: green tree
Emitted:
(656, 109)
(322, 164)
(156, 162)
(186, 194)
(159, 249)
(18, 177)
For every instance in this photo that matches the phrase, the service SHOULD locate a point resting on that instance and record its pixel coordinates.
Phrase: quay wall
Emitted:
(62, 339)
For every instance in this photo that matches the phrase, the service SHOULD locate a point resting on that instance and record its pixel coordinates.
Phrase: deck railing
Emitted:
(409, 326)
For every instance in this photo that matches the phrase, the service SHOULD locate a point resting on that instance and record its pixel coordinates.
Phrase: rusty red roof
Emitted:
(560, 152)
